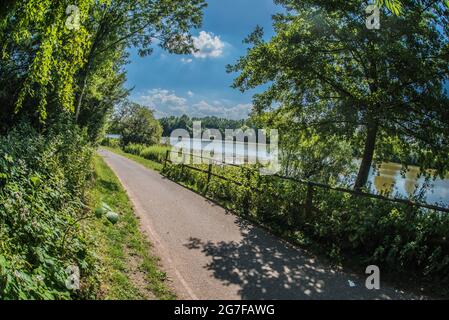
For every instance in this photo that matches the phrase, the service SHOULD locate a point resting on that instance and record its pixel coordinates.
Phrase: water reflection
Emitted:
(385, 179)
(390, 180)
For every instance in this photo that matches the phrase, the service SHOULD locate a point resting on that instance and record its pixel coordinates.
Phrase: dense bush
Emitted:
(136, 124)
(42, 181)
(155, 153)
(396, 237)
(134, 149)
(111, 142)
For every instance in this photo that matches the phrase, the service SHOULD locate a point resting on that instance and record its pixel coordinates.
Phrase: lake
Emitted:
(387, 179)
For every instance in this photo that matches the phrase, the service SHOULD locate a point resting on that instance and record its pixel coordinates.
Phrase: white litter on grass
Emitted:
(351, 283)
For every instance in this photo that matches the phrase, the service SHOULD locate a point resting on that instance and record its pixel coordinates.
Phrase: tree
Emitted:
(106, 89)
(47, 68)
(395, 6)
(304, 154)
(6, 7)
(139, 23)
(328, 71)
(136, 124)
(41, 56)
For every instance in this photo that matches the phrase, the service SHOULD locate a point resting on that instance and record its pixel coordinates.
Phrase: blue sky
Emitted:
(198, 84)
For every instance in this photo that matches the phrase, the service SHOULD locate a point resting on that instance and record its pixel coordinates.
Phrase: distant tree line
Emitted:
(169, 124)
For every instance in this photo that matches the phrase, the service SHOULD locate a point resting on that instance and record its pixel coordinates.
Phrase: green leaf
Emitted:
(395, 6)
(3, 263)
(35, 180)
(8, 158)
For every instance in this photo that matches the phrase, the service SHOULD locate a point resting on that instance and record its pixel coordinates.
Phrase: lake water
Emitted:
(387, 179)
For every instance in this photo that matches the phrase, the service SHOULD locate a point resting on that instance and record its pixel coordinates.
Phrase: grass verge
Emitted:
(129, 271)
(145, 162)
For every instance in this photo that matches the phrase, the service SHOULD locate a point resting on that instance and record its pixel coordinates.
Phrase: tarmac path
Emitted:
(211, 254)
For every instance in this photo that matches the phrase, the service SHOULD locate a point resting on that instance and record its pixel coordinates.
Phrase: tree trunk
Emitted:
(85, 73)
(368, 154)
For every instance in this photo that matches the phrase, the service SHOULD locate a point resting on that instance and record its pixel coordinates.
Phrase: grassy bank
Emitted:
(129, 271)
(150, 164)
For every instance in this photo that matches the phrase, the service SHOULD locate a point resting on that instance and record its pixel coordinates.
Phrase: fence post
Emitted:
(183, 162)
(259, 181)
(166, 158)
(257, 194)
(209, 175)
(309, 199)
(247, 184)
(409, 211)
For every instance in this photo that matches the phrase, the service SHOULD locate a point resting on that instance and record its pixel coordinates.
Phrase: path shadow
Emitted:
(267, 269)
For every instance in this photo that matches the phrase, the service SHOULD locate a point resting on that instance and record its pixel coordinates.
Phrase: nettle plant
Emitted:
(42, 180)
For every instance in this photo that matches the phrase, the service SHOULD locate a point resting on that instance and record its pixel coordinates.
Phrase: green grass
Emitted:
(129, 271)
(150, 164)
(156, 153)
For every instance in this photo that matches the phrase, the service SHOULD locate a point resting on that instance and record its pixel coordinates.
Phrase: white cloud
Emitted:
(236, 112)
(167, 103)
(206, 109)
(186, 60)
(240, 111)
(208, 45)
(164, 102)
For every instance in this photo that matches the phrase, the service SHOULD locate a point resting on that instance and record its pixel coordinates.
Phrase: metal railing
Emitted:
(310, 184)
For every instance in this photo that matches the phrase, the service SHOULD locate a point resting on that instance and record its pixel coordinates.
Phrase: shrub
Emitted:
(136, 124)
(155, 153)
(111, 142)
(42, 181)
(134, 149)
